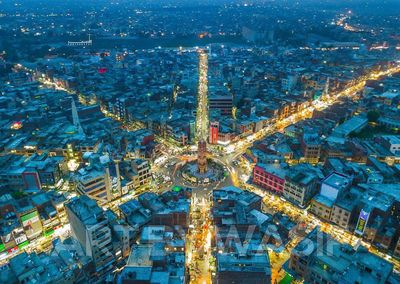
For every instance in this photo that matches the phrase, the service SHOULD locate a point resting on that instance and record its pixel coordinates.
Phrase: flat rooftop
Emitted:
(337, 181)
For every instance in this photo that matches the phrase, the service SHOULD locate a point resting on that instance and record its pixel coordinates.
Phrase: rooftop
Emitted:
(353, 124)
(140, 256)
(337, 180)
(276, 169)
(86, 209)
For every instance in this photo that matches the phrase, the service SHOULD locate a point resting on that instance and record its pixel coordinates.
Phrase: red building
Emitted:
(271, 177)
(214, 132)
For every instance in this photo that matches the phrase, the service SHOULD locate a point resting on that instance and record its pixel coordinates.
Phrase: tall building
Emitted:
(95, 182)
(90, 227)
(202, 156)
(120, 106)
(75, 118)
(142, 168)
(214, 131)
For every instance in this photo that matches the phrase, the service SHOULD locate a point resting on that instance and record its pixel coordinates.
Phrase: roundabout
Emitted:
(203, 170)
(215, 172)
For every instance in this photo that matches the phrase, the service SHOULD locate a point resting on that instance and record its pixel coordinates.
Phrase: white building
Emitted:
(333, 185)
(91, 228)
(95, 183)
(142, 169)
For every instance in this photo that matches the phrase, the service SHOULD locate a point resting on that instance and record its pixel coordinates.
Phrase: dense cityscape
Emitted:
(214, 141)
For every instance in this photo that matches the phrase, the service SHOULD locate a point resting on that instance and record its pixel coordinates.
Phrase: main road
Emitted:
(202, 98)
(353, 88)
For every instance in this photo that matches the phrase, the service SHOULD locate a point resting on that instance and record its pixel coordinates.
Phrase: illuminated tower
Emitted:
(202, 156)
(75, 118)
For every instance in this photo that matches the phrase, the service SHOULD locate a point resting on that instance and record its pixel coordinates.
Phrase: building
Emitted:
(29, 218)
(222, 103)
(241, 258)
(242, 268)
(376, 212)
(137, 173)
(32, 174)
(153, 263)
(301, 185)
(214, 132)
(135, 214)
(288, 83)
(321, 206)
(142, 168)
(318, 258)
(94, 182)
(90, 226)
(311, 148)
(228, 196)
(334, 184)
(179, 130)
(354, 124)
(389, 98)
(49, 169)
(392, 143)
(48, 213)
(270, 177)
(121, 108)
(397, 248)
(343, 211)
(332, 187)
(34, 268)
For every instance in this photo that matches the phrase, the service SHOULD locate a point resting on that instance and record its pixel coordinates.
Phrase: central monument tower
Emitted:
(202, 157)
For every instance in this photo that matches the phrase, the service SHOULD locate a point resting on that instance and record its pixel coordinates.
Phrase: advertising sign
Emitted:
(29, 218)
(362, 222)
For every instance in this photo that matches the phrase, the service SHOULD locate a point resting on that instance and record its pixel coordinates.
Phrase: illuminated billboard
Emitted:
(30, 218)
(362, 222)
(31, 224)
